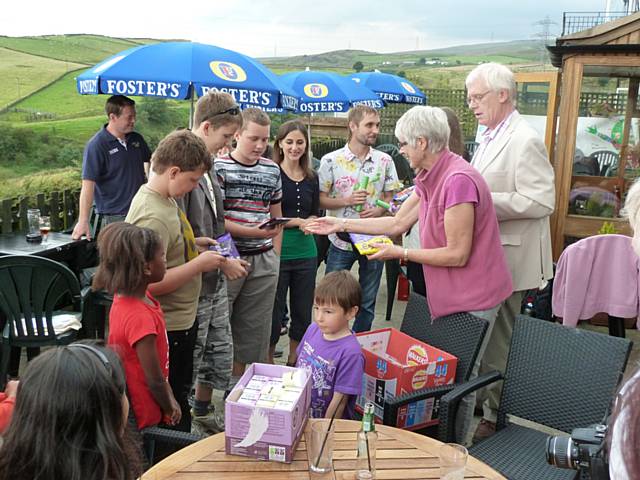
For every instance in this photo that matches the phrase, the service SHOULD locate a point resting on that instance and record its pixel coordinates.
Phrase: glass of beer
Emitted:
(45, 227)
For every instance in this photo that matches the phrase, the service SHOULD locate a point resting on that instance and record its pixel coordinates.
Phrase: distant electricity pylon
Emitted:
(632, 6)
(545, 35)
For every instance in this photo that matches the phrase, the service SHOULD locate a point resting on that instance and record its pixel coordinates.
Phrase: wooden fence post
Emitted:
(7, 215)
(23, 222)
(68, 214)
(54, 212)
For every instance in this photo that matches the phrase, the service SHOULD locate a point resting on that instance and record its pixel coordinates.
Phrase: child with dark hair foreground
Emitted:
(70, 419)
(130, 259)
(330, 349)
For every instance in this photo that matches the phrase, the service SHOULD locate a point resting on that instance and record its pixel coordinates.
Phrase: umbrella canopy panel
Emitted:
(391, 88)
(326, 92)
(176, 69)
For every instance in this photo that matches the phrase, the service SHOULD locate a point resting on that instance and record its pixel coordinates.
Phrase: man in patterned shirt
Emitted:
(341, 174)
(252, 192)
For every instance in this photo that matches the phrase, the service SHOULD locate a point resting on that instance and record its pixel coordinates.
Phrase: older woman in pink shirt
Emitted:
(464, 264)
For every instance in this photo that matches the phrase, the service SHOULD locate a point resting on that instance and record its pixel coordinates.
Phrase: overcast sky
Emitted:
(296, 27)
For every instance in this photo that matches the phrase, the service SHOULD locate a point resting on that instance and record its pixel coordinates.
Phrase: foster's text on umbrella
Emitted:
(87, 86)
(243, 95)
(142, 88)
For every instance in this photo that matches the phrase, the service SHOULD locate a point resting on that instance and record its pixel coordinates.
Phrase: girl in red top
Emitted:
(131, 258)
(7, 402)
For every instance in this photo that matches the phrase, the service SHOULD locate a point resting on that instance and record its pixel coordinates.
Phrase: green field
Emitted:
(22, 74)
(76, 130)
(85, 49)
(62, 99)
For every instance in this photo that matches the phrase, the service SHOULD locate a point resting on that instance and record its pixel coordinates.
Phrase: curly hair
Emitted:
(124, 250)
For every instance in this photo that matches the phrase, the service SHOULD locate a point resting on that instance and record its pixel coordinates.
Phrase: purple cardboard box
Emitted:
(265, 433)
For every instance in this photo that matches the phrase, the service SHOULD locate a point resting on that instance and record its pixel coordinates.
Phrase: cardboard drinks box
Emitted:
(396, 363)
(265, 414)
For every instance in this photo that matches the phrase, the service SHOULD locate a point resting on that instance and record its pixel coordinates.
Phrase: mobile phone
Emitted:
(273, 222)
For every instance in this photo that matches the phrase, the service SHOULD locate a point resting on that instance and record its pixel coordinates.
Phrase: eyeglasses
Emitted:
(235, 110)
(477, 98)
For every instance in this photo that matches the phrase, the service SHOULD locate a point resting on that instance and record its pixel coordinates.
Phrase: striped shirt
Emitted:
(248, 191)
(490, 135)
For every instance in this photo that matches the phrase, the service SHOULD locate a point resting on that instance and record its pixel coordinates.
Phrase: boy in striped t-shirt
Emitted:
(252, 192)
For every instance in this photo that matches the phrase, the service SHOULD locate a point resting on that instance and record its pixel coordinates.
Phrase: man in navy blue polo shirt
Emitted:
(113, 166)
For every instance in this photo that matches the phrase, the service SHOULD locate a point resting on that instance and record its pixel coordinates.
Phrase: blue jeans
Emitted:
(369, 271)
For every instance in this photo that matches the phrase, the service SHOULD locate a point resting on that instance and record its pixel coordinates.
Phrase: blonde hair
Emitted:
(254, 115)
(210, 107)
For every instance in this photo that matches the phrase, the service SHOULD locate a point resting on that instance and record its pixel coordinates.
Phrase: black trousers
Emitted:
(181, 345)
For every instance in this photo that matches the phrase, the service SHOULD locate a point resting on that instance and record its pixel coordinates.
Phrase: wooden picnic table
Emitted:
(401, 455)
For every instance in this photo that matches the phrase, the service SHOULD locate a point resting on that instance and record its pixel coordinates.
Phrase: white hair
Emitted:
(631, 211)
(496, 76)
(426, 122)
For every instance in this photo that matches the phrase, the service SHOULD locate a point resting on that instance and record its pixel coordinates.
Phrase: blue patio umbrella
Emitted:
(391, 88)
(326, 92)
(176, 70)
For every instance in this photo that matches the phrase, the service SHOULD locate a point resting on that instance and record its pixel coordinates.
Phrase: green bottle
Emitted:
(367, 439)
(361, 185)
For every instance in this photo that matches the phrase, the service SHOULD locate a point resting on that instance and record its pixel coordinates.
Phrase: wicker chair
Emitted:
(556, 376)
(168, 440)
(459, 334)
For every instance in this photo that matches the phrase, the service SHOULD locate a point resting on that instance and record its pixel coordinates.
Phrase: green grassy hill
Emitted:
(85, 49)
(521, 51)
(22, 74)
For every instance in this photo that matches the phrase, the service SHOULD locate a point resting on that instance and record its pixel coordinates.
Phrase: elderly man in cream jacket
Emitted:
(513, 160)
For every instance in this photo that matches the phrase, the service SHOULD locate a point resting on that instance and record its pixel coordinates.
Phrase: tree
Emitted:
(402, 74)
(422, 61)
(358, 66)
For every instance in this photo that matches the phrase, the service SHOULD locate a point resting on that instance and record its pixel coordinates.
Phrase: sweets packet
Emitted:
(363, 243)
(225, 247)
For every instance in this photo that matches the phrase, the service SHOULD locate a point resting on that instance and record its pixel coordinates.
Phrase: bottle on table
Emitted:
(367, 439)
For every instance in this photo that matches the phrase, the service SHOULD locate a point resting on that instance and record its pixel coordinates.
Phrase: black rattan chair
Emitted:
(166, 440)
(556, 376)
(460, 334)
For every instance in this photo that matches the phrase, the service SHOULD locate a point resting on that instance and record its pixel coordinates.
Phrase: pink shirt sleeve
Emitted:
(459, 189)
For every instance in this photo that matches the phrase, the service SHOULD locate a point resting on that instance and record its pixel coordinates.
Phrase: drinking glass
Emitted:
(320, 447)
(45, 226)
(453, 460)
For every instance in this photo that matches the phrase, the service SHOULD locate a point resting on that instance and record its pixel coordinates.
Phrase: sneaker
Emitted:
(485, 429)
(208, 424)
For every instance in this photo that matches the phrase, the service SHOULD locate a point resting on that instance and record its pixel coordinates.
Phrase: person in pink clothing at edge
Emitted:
(464, 265)
(623, 433)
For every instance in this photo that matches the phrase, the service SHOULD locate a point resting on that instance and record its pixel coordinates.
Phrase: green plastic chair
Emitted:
(32, 288)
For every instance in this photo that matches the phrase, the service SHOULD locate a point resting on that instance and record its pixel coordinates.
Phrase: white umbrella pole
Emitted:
(309, 135)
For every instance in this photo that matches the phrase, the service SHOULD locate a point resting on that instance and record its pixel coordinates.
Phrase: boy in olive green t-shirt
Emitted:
(177, 165)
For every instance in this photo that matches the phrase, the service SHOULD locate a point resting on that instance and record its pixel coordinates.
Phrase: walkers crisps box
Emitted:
(395, 363)
(263, 418)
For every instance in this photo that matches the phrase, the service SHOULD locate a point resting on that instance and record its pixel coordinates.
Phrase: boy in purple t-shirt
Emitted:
(330, 350)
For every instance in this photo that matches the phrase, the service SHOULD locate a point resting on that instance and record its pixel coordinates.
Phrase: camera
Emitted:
(582, 451)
